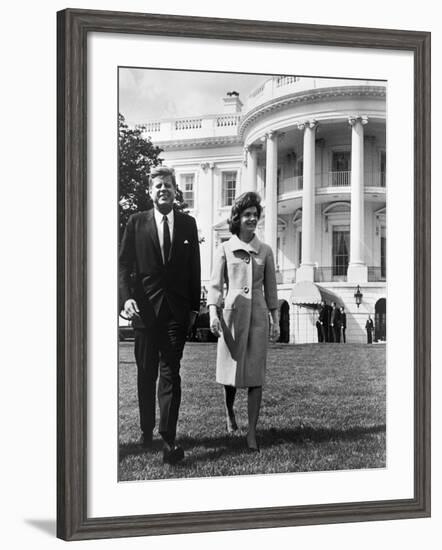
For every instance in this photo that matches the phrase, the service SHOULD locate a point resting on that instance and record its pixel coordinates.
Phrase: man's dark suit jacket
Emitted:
(323, 315)
(343, 320)
(335, 316)
(178, 281)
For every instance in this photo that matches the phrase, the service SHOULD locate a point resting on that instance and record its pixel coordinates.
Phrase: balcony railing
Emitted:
(328, 179)
(339, 179)
(376, 274)
(188, 124)
(227, 120)
(149, 127)
(285, 80)
(220, 125)
(278, 86)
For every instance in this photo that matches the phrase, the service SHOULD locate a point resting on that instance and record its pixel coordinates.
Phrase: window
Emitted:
(228, 188)
(341, 161)
(298, 175)
(341, 241)
(383, 253)
(187, 186)
(341, 168)
(383, 167)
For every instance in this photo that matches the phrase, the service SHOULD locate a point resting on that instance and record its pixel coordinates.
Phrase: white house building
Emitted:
(315, 151)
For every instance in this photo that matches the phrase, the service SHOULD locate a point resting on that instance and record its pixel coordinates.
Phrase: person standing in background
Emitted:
(343, 324)
(369, 328)
(323, 321)
(335, 323)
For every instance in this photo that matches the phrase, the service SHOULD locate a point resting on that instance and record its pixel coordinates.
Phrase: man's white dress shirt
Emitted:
(160, 227)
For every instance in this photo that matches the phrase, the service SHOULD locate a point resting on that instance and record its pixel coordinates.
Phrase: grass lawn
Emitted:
(323, 409)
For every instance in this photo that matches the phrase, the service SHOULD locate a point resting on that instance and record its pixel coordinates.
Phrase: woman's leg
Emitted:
(254, 404)
(229, 397)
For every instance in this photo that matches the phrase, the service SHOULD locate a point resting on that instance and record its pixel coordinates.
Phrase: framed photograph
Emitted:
(238, 201)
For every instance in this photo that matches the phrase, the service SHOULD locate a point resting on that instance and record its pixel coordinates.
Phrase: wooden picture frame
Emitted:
(74, 26)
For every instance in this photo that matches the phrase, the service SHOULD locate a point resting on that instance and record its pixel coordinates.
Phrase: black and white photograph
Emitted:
(222, 256)
(252, 273)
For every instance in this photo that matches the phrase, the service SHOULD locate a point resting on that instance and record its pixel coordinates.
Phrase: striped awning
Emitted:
(308, 294)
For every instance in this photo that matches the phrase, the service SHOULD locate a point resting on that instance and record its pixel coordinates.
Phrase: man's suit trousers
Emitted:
(159, 348)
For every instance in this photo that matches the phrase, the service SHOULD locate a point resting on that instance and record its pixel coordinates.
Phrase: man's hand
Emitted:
(215, 326)
(131, 309)
(192, 318)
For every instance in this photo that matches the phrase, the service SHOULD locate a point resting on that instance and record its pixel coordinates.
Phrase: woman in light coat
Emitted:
(241, 318)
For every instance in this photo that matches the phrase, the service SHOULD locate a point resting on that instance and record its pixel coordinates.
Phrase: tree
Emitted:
(137, 156)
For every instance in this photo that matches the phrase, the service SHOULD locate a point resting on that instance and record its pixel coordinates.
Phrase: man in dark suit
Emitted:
(335, 323)
(343, 324)
(160, 246)
(369, 328)
(323, 321)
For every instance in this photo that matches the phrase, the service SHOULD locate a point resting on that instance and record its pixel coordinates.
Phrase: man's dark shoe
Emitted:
(146, 440)
(173, 454)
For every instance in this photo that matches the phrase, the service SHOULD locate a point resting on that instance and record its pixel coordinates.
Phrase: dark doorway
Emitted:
(284, 322)
(380, 320)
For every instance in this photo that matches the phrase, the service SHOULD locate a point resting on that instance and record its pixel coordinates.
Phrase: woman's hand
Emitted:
(215, 326)
(274, 332)
(274, 325)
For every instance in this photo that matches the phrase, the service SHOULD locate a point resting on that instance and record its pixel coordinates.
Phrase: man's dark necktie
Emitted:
(166, 243)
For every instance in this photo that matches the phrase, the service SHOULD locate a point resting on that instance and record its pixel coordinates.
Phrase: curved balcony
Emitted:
(279, 86)
(280, 93)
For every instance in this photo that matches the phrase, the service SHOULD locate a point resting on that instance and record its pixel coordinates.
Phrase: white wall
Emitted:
(28, 336)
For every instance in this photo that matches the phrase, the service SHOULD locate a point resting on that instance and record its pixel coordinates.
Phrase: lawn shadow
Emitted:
(217, 446)
(302, 433)
(135, 449)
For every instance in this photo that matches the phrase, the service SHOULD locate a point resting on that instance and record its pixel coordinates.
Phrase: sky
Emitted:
(152, 94)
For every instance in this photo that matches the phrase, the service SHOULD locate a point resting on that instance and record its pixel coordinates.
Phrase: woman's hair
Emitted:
(244, 201)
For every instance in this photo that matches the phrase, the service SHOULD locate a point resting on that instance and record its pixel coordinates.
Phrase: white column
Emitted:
(252, 168)
(212, 213)
(271, 199)
(206, 195)
(306, 270)
(357, 268)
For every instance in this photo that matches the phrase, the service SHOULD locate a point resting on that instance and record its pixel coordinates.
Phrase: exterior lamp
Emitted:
(358, 296)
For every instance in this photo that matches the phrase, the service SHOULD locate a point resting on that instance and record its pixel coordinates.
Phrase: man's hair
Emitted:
(244, 201)
(162, 171)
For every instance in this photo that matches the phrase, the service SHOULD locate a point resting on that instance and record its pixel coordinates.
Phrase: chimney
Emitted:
(232, 103)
